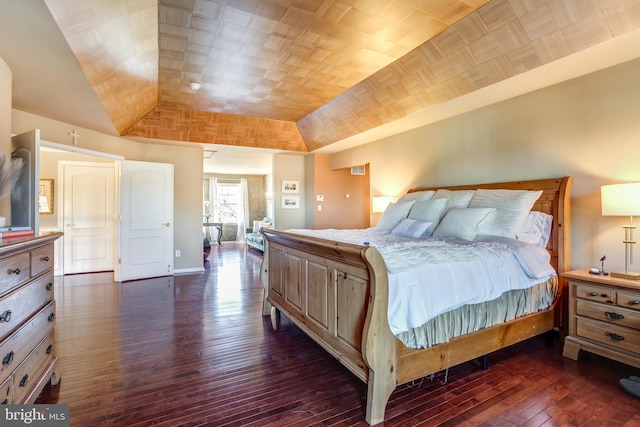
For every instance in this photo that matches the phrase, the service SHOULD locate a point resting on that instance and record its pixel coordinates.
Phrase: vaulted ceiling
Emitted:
(300, 75)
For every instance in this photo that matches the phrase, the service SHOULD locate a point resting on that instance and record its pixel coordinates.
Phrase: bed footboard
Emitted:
(337, 294)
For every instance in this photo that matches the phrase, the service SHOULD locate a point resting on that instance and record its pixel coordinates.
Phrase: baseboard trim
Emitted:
(188, 270)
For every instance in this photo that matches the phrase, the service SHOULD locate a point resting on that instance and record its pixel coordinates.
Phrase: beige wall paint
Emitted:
(6, 80)
(290, 167)
(588, 128)
(187, 163)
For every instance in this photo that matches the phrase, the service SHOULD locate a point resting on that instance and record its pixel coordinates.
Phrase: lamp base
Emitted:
(630, 275)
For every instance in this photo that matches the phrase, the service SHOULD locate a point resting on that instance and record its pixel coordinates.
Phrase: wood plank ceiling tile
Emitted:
(300, 75)
(497, 41)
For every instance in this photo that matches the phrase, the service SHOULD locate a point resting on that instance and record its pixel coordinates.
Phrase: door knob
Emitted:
(167, 224)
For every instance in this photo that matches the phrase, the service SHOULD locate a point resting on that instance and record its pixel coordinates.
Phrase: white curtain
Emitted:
(212, 214)
(243, 214)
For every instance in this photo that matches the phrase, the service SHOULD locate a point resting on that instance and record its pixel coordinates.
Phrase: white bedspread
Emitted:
(428, 277)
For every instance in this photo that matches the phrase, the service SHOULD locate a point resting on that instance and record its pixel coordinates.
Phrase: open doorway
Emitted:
(88, 174)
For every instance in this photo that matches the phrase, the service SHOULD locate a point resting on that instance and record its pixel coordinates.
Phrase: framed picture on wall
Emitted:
(290, 202)
(45, 196)
(290, 186)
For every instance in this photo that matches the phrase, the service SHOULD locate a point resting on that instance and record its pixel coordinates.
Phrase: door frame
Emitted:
(59, 267)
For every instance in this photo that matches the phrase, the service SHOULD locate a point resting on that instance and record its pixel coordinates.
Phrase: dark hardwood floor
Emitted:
(194, 350)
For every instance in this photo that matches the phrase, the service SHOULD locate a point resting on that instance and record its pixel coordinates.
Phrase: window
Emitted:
(228, 202)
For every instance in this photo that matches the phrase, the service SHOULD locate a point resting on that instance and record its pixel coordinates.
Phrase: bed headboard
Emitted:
(555, 200)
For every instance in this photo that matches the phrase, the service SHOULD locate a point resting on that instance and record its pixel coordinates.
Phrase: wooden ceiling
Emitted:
(299, 75)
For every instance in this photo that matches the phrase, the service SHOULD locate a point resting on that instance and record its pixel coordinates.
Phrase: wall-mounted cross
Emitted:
(75, 136)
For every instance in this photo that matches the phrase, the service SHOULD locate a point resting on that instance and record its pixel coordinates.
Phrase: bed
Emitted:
(338, 294)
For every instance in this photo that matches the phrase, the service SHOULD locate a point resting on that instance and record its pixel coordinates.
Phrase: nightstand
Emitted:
(604, 317)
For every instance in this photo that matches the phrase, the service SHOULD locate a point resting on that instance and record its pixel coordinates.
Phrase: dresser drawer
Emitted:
(18, 306)
(595, 293)
(629, 300)
(609, 313)
(27, 375)
(19, 344)
(41, 259)
(612, 335)
(13, 272)
(5, 392)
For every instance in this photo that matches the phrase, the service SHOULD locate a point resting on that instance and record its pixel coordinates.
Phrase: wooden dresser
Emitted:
(604, 317)
(27, 318)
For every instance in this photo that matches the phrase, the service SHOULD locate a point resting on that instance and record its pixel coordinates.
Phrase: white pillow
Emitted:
(410, 228)
(512, 208)
(428, 210)
(463, 223)
(455, 198)
(416, 196)
(536, 229)
(392, 215)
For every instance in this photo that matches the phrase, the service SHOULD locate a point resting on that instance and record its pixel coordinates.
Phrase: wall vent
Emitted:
(357, 170)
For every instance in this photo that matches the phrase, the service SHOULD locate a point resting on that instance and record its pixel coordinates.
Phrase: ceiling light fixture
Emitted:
(195, 86)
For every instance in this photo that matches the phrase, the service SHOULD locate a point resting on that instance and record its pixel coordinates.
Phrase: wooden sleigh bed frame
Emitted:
(337, 294)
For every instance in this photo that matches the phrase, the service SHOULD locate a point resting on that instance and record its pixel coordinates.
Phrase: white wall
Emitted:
(588, 128)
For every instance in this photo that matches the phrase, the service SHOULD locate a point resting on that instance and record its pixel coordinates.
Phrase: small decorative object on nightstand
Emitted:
(604, 317)
(623, 200)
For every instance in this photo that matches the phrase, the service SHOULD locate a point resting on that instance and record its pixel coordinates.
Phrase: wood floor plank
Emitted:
(194, 350)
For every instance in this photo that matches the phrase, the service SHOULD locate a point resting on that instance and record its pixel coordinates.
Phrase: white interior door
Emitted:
(146, 220)
(88, 216)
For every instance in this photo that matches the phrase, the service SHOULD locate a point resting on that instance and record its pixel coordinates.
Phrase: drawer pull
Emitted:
(16, 271)
(594, 294)
(51, 317)
(8, 358)
(24, 380)
(613, 316)
(6, 316)
(45, 258)
(49, 286)
(50, 349)
(636, 302)
(5, 402)
(614, 337)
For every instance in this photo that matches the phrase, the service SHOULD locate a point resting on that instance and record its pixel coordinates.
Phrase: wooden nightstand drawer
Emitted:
(595, 293)
(608, 313)
(629, 300)
(605, 333)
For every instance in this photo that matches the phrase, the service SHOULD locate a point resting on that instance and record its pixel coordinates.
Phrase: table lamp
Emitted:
(380, 203)
(623, 200)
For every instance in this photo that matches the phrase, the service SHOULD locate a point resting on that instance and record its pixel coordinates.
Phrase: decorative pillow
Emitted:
(536, 229)
(512, 208)
(428, 210)
(455, 198)
(393, 214)
(410, 228)
(416, 196)
(463, 223)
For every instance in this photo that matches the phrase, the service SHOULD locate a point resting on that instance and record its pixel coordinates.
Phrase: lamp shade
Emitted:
(621, 199)
(380, 203)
